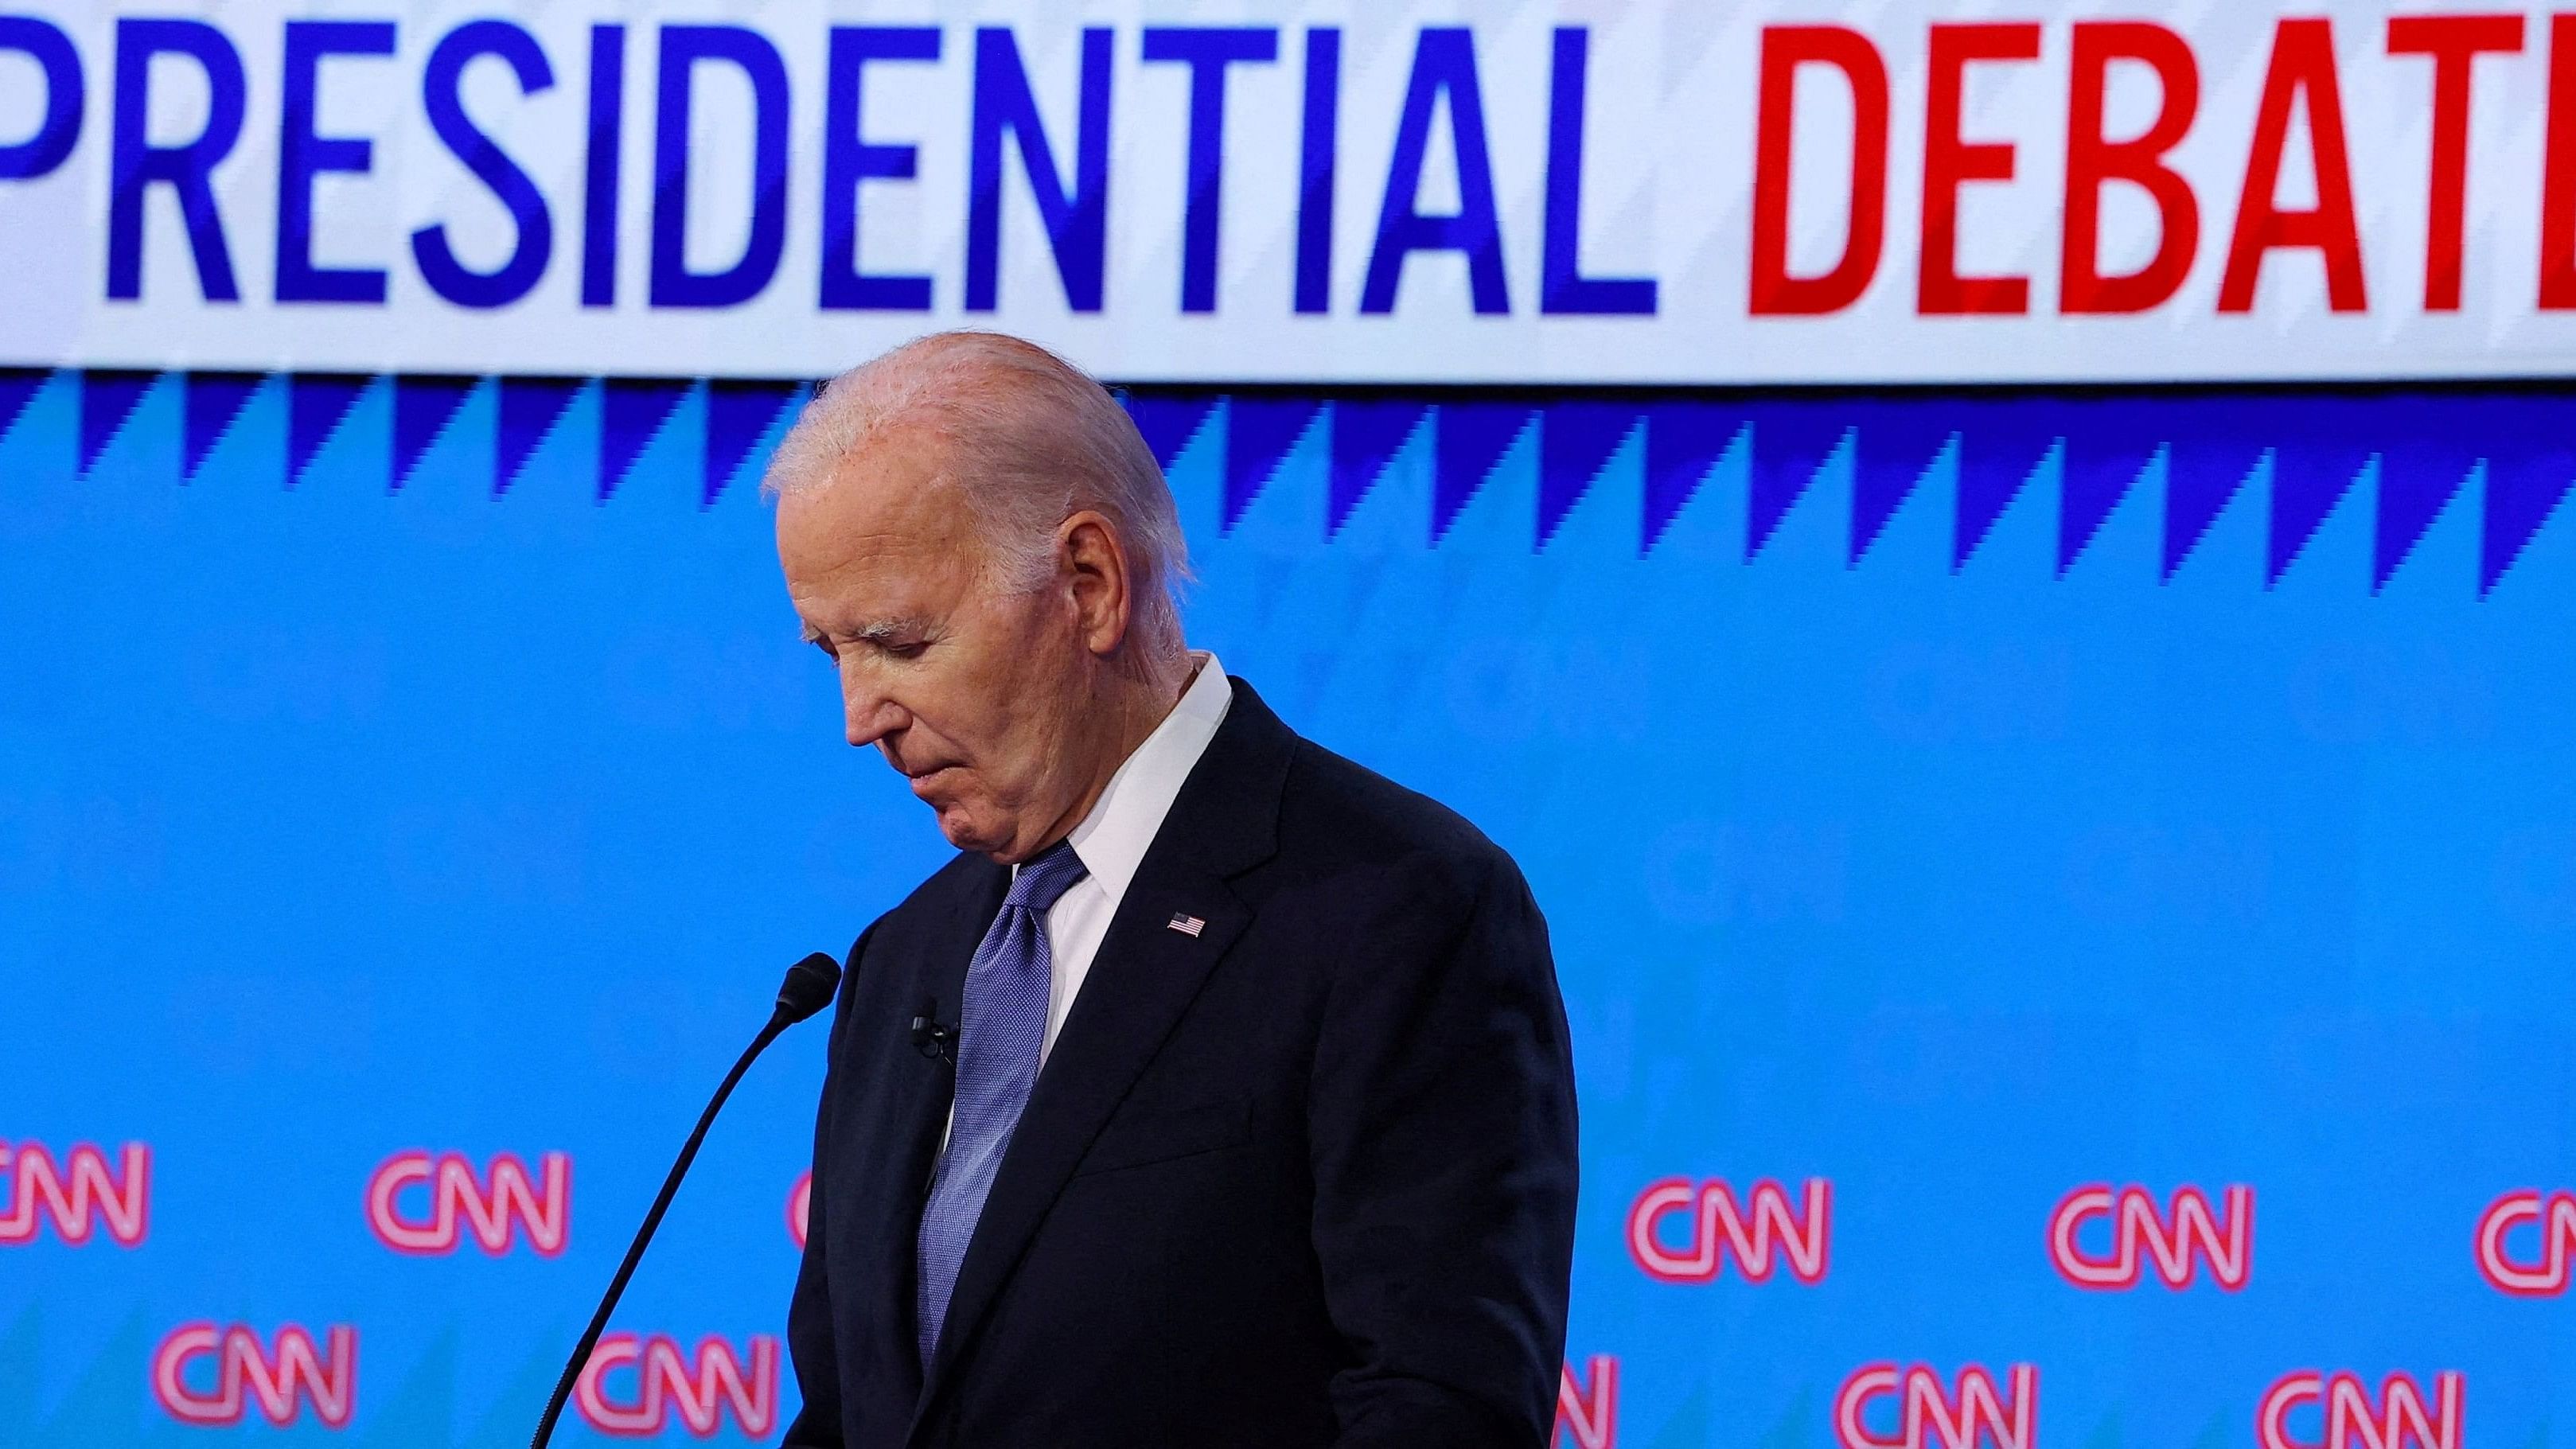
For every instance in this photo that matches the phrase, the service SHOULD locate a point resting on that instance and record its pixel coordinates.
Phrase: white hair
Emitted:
(1031, 440)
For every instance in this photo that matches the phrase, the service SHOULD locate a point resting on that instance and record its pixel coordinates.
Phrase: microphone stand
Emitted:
(797, 1000)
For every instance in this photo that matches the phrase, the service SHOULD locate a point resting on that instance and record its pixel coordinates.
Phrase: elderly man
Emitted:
(1218, 1092)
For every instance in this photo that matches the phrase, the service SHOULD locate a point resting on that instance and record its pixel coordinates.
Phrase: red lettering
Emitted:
(2092, 160)
(1588, 1414)
(2554, 1214)
(2302, 72)
(2454, 42)
(2351, 1422)
(1949, 161)
(1718, 1225)
(702, 1388)
(76, 1194)
(2558, 168)
(514, 1200)
(1930, 1416)
(283, 1382)
(2225, 1241)
(1784, 49)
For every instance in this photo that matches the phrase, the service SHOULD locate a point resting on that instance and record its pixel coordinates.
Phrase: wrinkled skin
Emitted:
(1007, 711)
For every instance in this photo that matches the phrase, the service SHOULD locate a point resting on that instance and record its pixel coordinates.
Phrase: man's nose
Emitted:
(868, 715)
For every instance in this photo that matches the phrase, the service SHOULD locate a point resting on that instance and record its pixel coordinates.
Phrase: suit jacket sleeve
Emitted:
(1442, 1124)
(809, 1312)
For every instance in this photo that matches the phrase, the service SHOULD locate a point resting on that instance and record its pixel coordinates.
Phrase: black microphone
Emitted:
(807, 989)
(932, 1040)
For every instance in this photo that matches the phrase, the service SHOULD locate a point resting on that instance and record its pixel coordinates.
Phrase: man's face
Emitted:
(974, 694)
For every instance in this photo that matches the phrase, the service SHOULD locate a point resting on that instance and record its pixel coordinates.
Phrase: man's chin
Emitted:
(965, 831)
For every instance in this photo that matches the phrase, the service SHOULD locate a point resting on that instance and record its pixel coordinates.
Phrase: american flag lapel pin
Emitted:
(1189, 926)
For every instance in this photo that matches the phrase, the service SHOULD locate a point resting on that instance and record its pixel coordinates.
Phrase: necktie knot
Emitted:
(1044, 877)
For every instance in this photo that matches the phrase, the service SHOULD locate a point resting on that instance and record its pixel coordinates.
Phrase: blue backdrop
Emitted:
(1959, 799)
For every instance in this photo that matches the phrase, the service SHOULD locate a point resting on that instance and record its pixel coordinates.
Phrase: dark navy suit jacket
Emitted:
(1304, 1178)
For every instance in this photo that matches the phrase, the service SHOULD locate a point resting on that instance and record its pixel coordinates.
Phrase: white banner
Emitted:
(1782, 191)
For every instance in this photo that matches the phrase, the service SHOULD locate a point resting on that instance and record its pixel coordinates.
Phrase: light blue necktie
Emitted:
(1000, 1028)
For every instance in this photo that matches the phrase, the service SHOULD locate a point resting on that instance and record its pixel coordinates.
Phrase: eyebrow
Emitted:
(874, 632)
(881, 630)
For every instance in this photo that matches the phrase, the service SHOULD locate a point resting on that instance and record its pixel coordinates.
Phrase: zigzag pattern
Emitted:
(739, 415)
(2421, 449)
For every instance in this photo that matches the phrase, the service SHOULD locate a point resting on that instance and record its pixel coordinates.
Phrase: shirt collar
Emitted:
(1112, 839)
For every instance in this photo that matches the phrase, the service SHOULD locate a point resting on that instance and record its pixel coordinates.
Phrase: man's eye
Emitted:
(905, 648)
(819, 642)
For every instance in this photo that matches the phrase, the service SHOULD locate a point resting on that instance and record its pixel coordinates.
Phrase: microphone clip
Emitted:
(932, 1039)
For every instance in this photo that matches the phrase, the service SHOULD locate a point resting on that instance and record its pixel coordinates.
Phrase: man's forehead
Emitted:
(890, 486)
(880, 598)
(878, 550)
(876, 504)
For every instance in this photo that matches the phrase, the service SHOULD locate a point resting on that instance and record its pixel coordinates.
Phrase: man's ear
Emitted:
(1096, 567)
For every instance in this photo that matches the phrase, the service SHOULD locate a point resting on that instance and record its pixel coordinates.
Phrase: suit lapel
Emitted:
(1223, 822)
(907, 1116)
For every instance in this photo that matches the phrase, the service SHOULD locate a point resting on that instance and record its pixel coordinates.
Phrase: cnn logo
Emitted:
(2176, 1240)
(452, 1199)
(2554, 1214)
(77, 1195)
(2351, 1421)
(1587, 1412)
(230, 1367)
(701, 1388)
(1715, 1224)
(1927, 1411)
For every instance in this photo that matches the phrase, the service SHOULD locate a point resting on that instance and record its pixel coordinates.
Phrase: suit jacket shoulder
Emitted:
(1377, 814)
(1366, 833)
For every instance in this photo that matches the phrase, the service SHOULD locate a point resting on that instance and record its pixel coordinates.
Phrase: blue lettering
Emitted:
(1207, 53)
(849, 158)
(1562, 286)
(1077, 223)
(134, 163)
(53, 53)
(1444, 64)
(302, 155)
(535, 229)
(683, 46)
(606, 130)
(1315, 169)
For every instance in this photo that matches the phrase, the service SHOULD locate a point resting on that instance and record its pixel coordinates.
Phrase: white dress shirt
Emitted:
(1112, 839)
